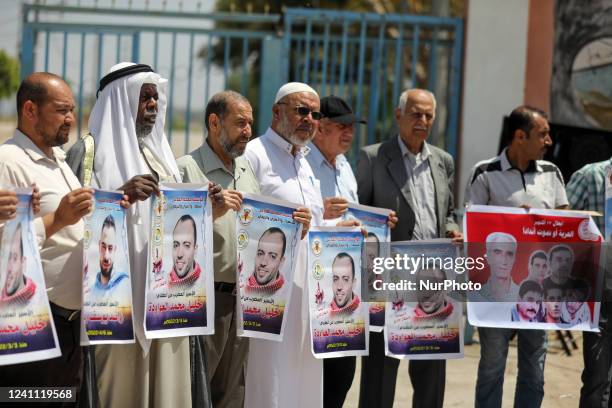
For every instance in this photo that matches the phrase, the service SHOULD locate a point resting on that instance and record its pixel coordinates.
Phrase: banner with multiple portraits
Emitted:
(338, 316)
(374, 220)
(268, 241)
(106, 314)
(180, 281)
(426, 323)
(542, 269)
(27, 330)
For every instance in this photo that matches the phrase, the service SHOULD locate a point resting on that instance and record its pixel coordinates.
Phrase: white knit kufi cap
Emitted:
(293, 87)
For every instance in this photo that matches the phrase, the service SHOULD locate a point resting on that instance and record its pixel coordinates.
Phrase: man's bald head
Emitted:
(45, 107)
(35, 88)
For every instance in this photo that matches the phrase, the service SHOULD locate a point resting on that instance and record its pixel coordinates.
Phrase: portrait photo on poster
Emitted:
(427, 322)
(27, 329)
(267, 248)
(339, 319)
(179, 299)
(107, 286)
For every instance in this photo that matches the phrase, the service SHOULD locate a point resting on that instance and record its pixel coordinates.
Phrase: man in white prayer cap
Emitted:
(293, 377)
(127, 150)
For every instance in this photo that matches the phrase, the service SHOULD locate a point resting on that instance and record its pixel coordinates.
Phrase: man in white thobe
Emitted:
(131, 154)
(285, 374)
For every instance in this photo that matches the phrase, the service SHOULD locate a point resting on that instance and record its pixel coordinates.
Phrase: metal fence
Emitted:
(367, 58)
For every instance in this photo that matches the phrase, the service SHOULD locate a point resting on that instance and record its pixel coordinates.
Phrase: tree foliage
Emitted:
(9, 75)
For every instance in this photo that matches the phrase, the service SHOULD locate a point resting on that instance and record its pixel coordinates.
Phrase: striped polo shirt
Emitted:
(497, 182)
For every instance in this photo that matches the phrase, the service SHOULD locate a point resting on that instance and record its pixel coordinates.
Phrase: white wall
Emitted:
(494, 77)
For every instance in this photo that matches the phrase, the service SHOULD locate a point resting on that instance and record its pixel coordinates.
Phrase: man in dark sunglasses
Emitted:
(296, 117)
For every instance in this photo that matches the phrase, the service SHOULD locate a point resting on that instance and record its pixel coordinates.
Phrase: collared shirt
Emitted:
(586, 190)
(335, 181)
(422, 190)
(285, 176)
(203, 165)
(486, 293)
(21, 164)
(497, 182)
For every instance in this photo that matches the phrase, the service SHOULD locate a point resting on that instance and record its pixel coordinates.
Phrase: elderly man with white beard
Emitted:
(127, 150)
(293, 377)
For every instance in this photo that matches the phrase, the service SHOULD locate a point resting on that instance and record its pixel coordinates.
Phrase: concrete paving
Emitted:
(561, 388)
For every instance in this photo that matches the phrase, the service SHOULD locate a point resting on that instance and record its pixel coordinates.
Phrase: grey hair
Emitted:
(404, 98)
(219, 102)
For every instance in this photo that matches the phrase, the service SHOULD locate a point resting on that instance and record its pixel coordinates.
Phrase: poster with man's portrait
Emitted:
(106, 315)
(427, 322)
(542, 268)
(27, 331)
(338, 316)
(267, 248)
(374, 220)
(180, 279)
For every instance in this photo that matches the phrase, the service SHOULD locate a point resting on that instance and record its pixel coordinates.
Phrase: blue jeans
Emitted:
(493, 354)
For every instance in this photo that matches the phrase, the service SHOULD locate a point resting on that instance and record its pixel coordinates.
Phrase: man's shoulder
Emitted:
(486, 166)
(593, 169)
(548, 166)
(256, 144)
(10, 151)
(189, 168)
(380, 149)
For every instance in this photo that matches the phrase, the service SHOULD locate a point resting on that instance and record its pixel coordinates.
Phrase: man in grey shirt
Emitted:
(518, 177)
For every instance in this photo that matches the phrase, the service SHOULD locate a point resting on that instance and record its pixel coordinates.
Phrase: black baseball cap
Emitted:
(337, 110)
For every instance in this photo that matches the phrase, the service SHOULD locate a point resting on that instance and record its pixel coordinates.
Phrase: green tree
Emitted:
(9, 75)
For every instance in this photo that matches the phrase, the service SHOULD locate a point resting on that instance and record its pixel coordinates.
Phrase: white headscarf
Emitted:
(112, 125)
(117, 159)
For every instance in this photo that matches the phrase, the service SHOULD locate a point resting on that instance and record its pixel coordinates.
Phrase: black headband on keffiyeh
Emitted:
(120, 73)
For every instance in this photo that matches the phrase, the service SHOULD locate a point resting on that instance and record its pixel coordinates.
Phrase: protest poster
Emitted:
(424, 322)
(27, 331)
(106, 314)
(180, 281)
(541, 269)
(267, 249)
(338, 316)
(374, 220)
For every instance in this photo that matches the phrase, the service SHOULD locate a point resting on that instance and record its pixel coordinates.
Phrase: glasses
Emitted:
(304, 111)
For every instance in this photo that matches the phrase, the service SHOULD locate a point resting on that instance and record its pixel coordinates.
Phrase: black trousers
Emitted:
(597, 354)
(63, 371)
(338, 376)
(379, 375)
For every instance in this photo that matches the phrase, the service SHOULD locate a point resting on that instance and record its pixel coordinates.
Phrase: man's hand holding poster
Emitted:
(106, 315)
(27, 331)
(425, 323)
(268, 241)
(542, 268)
(180, 282)
(338, 317)
(374, 220)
